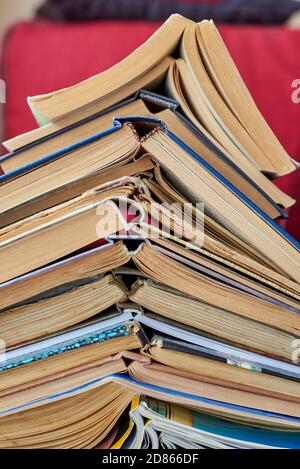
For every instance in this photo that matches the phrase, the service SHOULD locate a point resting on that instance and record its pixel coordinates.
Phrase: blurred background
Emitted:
(12, 11)
(50, 44)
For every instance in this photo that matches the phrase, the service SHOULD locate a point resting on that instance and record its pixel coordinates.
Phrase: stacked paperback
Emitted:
(148, 297)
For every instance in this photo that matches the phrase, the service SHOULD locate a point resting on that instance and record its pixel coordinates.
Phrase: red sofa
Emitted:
(40, 57)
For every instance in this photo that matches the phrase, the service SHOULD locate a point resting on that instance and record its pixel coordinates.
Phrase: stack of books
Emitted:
(148, 298)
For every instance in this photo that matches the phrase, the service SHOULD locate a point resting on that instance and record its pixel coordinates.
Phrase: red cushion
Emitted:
(266, 58)
(41, 57)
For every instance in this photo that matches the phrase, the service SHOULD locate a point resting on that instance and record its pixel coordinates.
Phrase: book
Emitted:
(160, 424)
(60, 308)
(216, 322)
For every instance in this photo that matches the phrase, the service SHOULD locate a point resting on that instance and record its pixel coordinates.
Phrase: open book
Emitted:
(162, 425)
